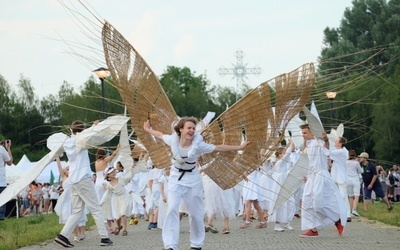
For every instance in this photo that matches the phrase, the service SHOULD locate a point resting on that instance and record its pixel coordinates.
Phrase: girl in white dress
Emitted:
(102, 162)
(284, 214)
(120, 198)
(217, 203)
(64, 204)
(163, 203)
(251, 197)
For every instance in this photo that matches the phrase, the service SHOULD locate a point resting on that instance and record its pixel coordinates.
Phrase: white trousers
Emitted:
(83, 193)
(193, 199)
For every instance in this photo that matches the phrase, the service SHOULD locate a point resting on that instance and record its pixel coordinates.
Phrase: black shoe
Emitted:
(63, 241)
(390, 209)
(349, 219)
(105, 242)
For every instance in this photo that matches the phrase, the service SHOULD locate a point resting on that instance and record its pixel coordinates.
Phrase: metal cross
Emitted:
(239, 71)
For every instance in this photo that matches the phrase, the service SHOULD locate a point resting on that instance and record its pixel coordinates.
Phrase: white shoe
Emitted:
(289, 227)
(278, 228)
(355, 213)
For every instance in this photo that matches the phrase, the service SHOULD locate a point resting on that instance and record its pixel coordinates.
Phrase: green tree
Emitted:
(190, 95)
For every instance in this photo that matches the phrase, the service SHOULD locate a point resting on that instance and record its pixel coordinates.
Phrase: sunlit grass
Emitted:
(378, 212)
(25, 231)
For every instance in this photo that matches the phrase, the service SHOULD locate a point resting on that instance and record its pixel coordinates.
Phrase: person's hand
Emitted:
(164, 200)
(325, 136)
(244, 144)
(304, 178)
(369, 186)
(146, 126)
(8, 144)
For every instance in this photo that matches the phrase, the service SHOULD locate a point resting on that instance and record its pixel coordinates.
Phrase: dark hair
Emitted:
(120, 164)
(101, 154)
(77, 126)
(304, 126)
(352, 154)
(342, 140)
(182, 122)
(279, 151)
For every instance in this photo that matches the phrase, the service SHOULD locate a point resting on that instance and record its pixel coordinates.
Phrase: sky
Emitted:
(277, 36)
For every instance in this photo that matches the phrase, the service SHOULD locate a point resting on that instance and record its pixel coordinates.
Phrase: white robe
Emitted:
(322, 204)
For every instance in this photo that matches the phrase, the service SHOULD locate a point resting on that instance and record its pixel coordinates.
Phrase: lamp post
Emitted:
(102, 73)
(331, 96)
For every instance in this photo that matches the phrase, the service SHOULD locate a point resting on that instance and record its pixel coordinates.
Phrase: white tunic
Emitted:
(339, 170)
(322, 204)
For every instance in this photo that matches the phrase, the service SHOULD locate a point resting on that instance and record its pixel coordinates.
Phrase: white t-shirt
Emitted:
(353, 170)
(3, 158)
(79, 162)
(189, 179)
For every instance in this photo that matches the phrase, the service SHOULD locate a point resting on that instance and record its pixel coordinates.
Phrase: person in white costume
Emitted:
(101, 163)
(64, 204)
(218, 203)
(163, 203)
(265, 184)
(82, 190)
(5, 159)
(251, 197)
(353, 181)
(339, 156)
(322, 204)
(284, 214)
(117, 197)
(185, 180)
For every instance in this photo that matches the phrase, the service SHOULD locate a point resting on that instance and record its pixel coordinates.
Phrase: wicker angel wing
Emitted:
(141, 92)
(254, 118)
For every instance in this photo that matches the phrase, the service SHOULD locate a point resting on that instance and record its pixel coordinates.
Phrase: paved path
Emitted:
(359, 234)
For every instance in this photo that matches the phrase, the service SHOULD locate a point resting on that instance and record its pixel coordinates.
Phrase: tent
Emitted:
(12, 173)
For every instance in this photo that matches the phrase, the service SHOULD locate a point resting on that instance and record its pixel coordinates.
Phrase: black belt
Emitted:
(184, 171)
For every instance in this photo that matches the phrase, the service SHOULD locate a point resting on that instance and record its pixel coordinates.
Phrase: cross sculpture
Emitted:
(239, 71)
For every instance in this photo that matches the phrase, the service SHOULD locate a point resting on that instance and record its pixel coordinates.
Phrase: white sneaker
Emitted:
(355, 213)
(289, 227)
(278, 228)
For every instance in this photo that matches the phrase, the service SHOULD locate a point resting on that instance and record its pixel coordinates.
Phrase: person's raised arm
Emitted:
(156, 133)
(8, 147)
(60, 168)
(224, 148)
(112, 156)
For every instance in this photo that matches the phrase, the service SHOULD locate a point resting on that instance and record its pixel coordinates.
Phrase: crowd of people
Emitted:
(335, 180)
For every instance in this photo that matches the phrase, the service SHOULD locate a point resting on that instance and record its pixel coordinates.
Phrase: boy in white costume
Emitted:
(339, 157)
(82, 190)
(185, 180)
(322, 204)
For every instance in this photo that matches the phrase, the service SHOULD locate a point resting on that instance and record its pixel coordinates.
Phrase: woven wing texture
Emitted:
(141, 92)
(261, 117)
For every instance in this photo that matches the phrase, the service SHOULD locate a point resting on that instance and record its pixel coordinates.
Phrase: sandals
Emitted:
(124, 233)
(226, 230)
(390, 209)
(117, 229)
(262, 225)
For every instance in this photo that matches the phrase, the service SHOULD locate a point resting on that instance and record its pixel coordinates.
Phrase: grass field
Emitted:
(25, 231)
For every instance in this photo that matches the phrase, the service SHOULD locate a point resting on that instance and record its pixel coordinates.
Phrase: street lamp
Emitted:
(102, 73)
(331, 96)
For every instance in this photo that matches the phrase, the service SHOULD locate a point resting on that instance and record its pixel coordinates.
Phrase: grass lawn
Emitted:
(378, 212)
(25, 231)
